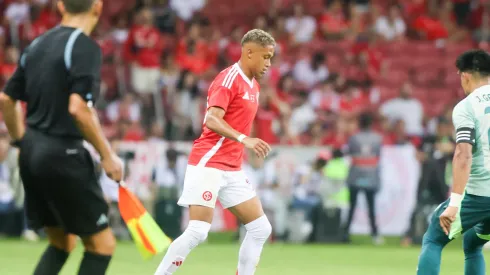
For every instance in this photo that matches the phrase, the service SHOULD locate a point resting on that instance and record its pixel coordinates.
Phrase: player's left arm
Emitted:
(461, 170)
(465, 138)
(10, 107)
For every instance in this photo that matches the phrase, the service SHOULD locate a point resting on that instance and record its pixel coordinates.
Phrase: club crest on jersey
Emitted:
(207, 196)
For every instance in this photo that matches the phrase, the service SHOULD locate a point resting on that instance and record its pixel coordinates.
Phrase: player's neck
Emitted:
(480, 84)
(83, 22)
(248, 73)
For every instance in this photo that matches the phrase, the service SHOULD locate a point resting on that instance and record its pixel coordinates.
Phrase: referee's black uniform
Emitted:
(58, 173)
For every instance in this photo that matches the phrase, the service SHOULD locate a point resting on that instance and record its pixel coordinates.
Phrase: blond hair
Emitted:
(259, 37)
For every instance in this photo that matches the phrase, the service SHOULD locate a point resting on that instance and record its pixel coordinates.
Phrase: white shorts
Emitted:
(204, 185)
(145, 80)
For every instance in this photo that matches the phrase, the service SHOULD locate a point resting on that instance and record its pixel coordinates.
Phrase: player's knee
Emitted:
(66, 244)
(59, 239)
(262, 230)
(472, 244)
(103, 243)
(198, 230)
(266, 230)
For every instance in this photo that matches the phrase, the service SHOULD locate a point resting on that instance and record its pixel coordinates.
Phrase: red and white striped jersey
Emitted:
(235, 93)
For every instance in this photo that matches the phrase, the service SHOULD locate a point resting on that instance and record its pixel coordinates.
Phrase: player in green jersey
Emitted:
(468, 209)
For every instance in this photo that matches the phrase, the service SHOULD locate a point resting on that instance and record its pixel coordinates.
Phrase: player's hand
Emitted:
(260, 147)
(447, 218)
(113, 167)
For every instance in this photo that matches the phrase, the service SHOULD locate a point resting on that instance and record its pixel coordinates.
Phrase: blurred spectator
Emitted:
(261, 22)
(17, 12)
(126, 108)
(307, 181)
(311, 71)
(325, 97)
(143, 50)
(301, 26)
(193, 52)
(120, 31)
(407, 108)
(439, 23)
(302, 114)
(13, 221)
(186, 118)
(455, 31)
(360, 6)
(333, 23)
(480, 21)
(7, 69)
(185, 9)
(435, 155)
(165, 17)
(392, 26)
(461, 9)
(397, 135)
(168, 179)
(265, 119)
(262, 174)
(35, 26)
(127, 131)
(364, 174)
(169, 78)
(157, 133)
(232, 47)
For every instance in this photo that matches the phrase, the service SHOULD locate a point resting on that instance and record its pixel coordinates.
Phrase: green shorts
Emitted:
(473, 213)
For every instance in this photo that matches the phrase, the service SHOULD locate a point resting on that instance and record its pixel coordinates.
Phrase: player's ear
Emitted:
(61, 7)
(97, 8)
(249, 53)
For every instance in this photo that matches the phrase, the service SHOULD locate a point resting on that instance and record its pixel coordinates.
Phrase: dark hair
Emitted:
(365, 121)
(172, 155)
(318, 59)
(280, 84)
(78, 6)
(474, 61)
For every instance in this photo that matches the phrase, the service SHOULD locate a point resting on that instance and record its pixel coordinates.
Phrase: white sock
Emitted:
(258, 232)
(196, 233)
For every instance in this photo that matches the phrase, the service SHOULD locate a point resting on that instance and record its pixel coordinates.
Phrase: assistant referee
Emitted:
(58, 75)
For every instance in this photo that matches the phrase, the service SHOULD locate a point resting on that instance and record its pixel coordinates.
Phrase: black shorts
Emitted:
(61, 185)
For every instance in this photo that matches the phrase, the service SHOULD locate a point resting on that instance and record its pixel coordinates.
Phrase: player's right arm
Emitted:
(11, 109)
(465, 140)
(219, 99)
(85, 72)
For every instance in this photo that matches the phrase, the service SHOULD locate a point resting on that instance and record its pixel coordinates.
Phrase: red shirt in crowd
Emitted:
(263, 125)
(433, 28)
(197, 58)
(335, 23)
(144, 46)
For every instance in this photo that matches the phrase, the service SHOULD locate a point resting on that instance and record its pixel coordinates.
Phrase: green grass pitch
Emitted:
(217, 258)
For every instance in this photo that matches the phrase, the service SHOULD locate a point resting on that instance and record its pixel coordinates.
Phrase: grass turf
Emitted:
(20, 257)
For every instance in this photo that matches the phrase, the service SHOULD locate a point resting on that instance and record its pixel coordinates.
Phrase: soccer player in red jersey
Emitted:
(214, 167)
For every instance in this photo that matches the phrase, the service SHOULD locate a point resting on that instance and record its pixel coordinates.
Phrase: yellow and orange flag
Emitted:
(147, 235)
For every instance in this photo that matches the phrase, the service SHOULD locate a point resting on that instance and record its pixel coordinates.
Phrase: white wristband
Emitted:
(241, 138)
(455, 200)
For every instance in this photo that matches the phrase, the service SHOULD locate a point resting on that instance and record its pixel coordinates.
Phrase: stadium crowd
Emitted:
(335, 60)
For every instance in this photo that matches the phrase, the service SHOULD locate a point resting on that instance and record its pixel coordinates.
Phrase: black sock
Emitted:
(94, 264)
(51, 262)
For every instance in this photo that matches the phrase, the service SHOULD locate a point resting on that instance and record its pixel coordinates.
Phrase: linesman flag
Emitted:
(147, 235)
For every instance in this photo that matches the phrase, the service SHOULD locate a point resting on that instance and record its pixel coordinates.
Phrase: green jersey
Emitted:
(471, 118)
